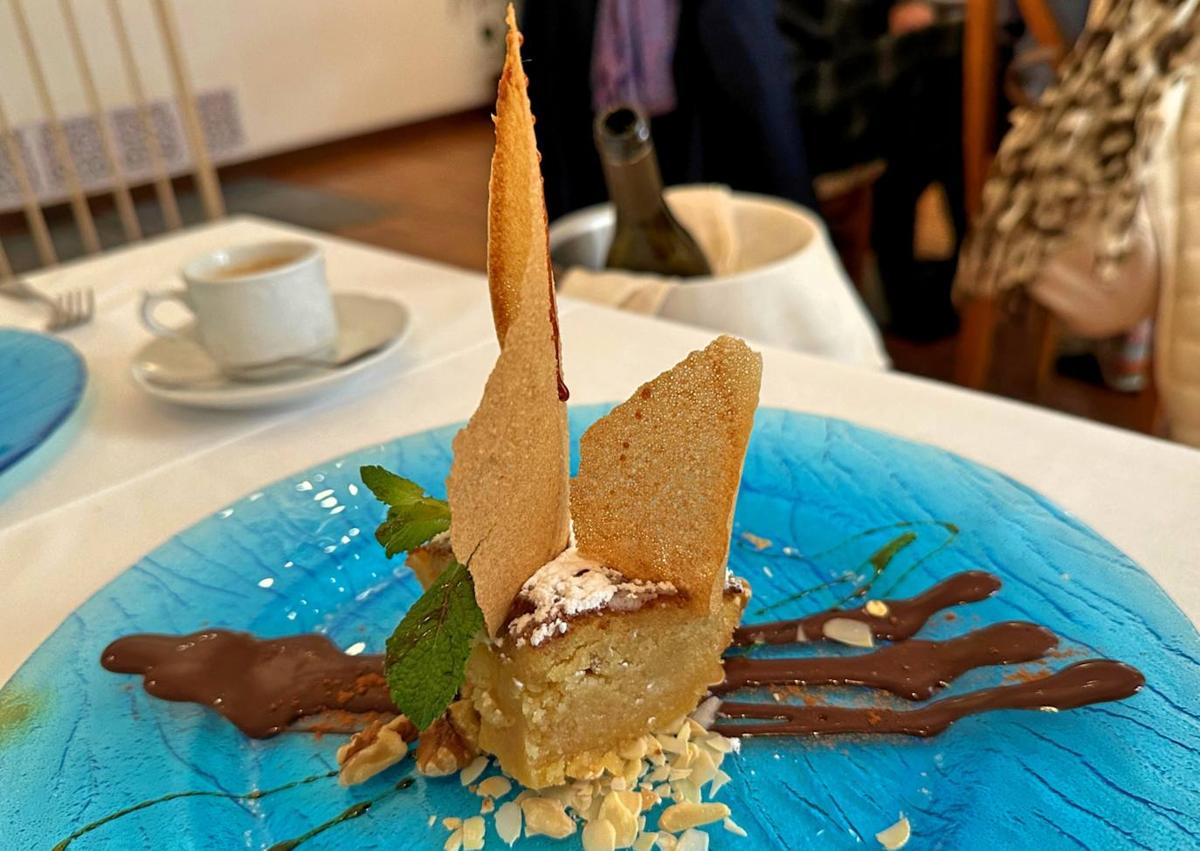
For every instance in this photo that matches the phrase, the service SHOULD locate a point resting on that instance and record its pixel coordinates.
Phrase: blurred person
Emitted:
(880, 81)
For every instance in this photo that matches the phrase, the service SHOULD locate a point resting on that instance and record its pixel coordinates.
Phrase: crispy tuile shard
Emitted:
(518, 261)
(658, 476)
(508, 484)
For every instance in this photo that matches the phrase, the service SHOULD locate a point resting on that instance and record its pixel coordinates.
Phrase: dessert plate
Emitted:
(179, 371)
(41, 382)
(97, 757)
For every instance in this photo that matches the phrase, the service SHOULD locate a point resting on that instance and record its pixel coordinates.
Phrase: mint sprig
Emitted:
(427, 654)
(413, 517)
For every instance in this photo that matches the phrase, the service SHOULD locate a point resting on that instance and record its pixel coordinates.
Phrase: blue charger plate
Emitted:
(41, 382)
(81, 747)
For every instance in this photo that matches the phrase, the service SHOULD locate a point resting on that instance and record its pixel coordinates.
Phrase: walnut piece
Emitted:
(441, 750)
(373, 749)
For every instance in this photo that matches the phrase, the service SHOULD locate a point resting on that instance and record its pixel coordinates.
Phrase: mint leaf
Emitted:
(413, 517)
(407, 527)
(389, 488)
(427, 654)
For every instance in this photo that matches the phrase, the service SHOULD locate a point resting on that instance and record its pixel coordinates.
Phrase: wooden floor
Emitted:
(432, 177)
(430, 183)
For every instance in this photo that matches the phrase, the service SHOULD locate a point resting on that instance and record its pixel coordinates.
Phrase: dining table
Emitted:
(128, 471)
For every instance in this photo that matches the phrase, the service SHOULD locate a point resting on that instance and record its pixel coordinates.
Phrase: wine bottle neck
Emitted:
(635, 185)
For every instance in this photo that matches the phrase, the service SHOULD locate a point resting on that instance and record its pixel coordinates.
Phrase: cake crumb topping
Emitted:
(572, 585)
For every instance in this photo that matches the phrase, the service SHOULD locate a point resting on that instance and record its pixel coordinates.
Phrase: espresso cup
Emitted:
(254, 305)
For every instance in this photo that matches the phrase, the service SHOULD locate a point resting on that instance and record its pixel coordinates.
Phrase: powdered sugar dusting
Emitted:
(571, 585)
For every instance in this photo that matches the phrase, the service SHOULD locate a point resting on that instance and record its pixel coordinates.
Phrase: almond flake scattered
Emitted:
(624, 822)
(734, 828)
(475, 768)
(451, 823)
(473, 830)
(693, 840)
(453, 841)
(686, 815)
(718, 781)
(757, 541)
(646, 841)
(896, 836)
(848, 631)
(496, 786)
(508, 822)
(599, 835)
(876, 608)
(432, 821)
(547, 817)
(718, 743)
(706, 712)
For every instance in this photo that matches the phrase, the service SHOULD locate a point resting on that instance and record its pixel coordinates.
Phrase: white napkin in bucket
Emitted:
(776, 279)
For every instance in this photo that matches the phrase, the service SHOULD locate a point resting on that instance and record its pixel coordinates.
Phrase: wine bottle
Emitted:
(647, 238)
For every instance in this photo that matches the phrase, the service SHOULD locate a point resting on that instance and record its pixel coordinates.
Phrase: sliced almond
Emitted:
(623, 821)
(734, 828)
(599, 835)
(645, 841)
(475, 768)
(686, 815)
(718, 743)
(897, 836)
(686, 790)
(849, 631)
(706, 712)
(703, 768)
(451, 823)
(718, 781)
(454, 841)
(496, 786)
(876, 608)
(546, 817)
(508, 822)
(693, 840)
(473, 830)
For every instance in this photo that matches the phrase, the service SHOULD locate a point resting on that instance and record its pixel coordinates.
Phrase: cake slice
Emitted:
(589, 664)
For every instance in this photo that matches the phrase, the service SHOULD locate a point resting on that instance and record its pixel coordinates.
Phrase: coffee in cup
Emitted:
(254, 305)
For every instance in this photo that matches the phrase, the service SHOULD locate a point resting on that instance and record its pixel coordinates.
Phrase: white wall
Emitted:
(303, 71)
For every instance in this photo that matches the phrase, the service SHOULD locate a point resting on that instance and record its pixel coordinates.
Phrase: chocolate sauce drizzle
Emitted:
(1081, 684)
(264, 685)
(261, 685)
(904, 618)
(912, 670)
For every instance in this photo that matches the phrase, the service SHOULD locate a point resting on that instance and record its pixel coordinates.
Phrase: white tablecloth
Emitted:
(122, 433)
(1140, 493)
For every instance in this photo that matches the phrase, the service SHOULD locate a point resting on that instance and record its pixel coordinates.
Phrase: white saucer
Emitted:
(181, 372)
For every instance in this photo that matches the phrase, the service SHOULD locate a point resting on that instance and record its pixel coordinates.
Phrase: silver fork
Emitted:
(72, 308)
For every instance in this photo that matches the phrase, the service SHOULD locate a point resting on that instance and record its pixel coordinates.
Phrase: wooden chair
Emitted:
(979, 317)
(203, 171)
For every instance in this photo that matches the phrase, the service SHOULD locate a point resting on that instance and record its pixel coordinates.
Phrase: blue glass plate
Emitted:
(41, 383)
(79, 745)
